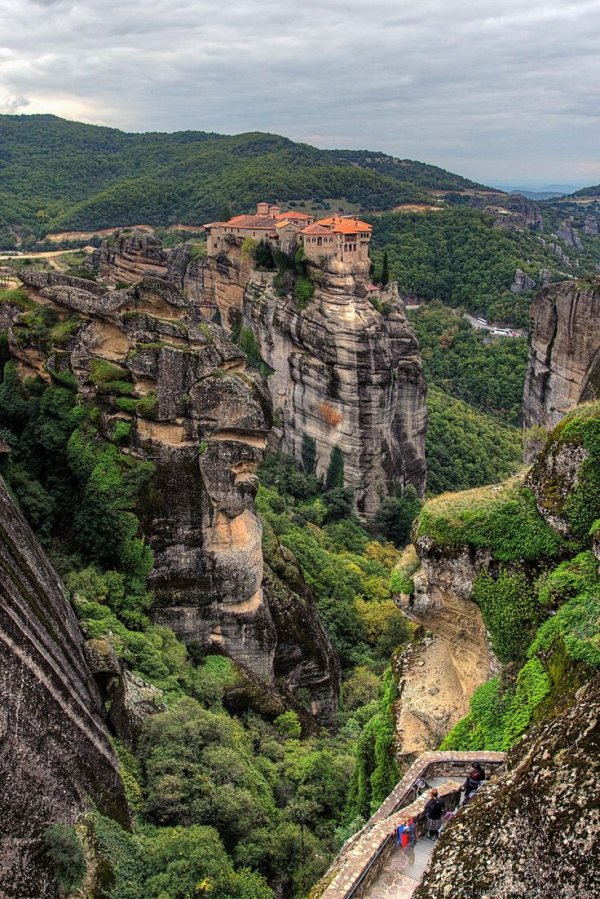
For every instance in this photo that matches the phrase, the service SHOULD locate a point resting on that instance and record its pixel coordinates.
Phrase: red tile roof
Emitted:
(344, 225)
(265, 222)
(293, 215)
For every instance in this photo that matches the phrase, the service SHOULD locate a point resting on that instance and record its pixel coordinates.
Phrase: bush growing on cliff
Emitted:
(66, 856)
(510, 612)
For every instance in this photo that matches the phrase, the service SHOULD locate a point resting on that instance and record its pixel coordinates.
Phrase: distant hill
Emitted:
(588, 191)
(57, 175)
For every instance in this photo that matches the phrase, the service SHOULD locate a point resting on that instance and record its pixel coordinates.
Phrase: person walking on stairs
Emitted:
(433, 812)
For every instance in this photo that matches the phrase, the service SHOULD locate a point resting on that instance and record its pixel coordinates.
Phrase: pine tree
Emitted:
(385, 270)
(335, 471)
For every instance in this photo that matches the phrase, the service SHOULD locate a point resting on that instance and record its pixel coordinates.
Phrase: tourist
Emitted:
(475, 777)
(433, 812)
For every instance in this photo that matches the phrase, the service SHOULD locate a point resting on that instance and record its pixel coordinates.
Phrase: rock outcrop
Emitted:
(346, 365)
(55, 756)
(534, 832)
(345, 374)
(198, 412)
(521, 282)
(130, 255)
(440, 672)
(564, 352)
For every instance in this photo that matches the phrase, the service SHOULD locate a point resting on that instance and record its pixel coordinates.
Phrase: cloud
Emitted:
(497, 92)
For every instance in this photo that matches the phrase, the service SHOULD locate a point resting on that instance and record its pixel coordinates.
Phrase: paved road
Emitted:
(475, 323)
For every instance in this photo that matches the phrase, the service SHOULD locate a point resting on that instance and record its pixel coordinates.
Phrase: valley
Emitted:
(282, 531)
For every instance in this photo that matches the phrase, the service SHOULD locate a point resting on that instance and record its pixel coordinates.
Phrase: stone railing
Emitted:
(363, 856)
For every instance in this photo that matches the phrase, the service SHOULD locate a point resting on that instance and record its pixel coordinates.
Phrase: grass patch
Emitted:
(503, 518)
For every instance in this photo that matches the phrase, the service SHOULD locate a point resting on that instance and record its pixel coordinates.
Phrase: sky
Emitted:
(503, 92)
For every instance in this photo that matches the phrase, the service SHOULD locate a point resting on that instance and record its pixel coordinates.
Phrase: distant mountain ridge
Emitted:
(58, 175)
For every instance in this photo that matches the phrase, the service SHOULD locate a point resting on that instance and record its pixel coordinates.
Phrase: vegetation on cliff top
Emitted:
(502, 518)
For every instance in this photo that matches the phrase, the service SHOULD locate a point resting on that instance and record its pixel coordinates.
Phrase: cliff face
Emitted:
(202, 417)
(55, 756)
(345, 374)
(128, 256)
(535, 831)
(346, 368)
(440, 673)
(564, 352)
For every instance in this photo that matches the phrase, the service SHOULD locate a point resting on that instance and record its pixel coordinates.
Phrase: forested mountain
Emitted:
(60, 175)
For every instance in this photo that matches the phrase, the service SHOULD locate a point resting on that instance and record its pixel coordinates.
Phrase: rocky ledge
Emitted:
(196, 410)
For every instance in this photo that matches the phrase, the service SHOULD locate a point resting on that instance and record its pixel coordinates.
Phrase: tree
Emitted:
(309, 454)
(65, 853)
(385, 270)
(396, 515)
(335, 471)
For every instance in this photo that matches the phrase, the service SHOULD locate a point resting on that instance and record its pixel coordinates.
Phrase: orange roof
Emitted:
(316, 229)
(344, 225)
(292, 214)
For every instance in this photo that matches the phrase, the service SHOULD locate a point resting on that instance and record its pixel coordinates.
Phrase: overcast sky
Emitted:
(504, 92)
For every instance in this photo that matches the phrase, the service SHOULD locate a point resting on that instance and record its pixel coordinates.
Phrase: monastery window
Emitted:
(319, 241)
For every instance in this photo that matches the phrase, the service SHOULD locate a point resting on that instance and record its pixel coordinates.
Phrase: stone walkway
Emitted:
(405, 867)
(402, 872)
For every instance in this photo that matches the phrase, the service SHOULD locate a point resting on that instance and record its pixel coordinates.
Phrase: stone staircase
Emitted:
(369, 863)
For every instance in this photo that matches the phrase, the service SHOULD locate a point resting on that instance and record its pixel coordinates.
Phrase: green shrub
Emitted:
(147, 406)
(304, 290)
(510, 611)
(65, 853)
(103, 372)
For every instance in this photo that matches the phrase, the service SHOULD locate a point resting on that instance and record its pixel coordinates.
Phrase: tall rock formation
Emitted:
(534, 832)
(346, 374)
(346, 369)
(202, 416)
(564, 352)
(55, 756)
(346, 365)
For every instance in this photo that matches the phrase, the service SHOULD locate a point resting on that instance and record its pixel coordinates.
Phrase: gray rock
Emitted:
(133, 701)
(55, 755)
(521, 282)
(564, 352)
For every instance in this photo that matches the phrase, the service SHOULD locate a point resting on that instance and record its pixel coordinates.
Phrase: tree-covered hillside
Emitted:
(456, 255)
(58, 175)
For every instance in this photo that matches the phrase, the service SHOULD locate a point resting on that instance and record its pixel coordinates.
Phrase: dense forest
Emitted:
(456, 255)
(475, 387)
(229, 789)
(59, 175)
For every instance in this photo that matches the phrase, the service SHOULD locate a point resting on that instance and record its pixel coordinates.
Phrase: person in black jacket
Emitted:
(433, 812)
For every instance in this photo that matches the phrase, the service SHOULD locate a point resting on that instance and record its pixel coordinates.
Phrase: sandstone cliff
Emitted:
(564, 353)
(346, 366)
(440, 672)
(202, 417)
(130, 255)
(55, 756)
(345, 374)
(535, 831)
